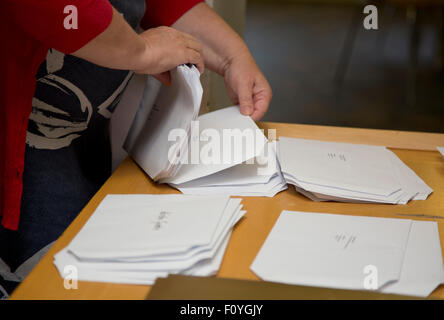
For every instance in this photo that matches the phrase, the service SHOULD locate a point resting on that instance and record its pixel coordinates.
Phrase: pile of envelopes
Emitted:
(168, 116)
(396, 256)
(252, 172)
(167, 137)
(138, 238)
(348, 172)
(169, 146)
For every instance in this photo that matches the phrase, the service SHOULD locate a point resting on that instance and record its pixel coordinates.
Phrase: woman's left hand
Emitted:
(247, 86)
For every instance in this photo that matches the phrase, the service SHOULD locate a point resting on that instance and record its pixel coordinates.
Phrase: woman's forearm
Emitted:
(219, 41)
(118, 47)
(226, 53)
(154, 51)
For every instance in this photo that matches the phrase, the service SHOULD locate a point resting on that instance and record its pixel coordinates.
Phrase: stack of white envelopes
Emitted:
(325, 171)
(138, 238)
(221, 152)
(158, 137)
(247, 179)
(394, 256)
(224, 143)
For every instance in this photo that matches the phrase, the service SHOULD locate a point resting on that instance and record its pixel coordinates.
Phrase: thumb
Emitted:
(245, 95)
(163, 77)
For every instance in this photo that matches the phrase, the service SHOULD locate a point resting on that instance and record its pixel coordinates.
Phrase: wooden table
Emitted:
(417, 150)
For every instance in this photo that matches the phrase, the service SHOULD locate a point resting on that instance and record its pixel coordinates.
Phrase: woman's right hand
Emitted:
(166, 48)
(154, 52)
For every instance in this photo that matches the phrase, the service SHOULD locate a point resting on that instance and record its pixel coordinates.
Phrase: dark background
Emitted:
(298, 45)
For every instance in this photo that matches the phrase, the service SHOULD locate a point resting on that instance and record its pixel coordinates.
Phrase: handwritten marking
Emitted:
(347, 240)
(161, 220)
(341, 156)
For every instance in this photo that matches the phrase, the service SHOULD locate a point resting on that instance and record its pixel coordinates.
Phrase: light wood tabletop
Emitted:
(417, 150)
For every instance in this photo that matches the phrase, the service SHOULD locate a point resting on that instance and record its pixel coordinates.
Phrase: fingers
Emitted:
(194, 51)
(194, 57)
(199, 63)
(164, 77)
(262, 99)
(168, 48)
(192, 43)
(260, 109)
(245, 96)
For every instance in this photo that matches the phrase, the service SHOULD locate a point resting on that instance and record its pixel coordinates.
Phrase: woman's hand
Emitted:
(166, 48)
(247, 86)
(153, 52)
(226, 53)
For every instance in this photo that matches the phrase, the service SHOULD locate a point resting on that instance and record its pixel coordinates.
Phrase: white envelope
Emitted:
(174, 108)
(261, 178)
(148, 228)
(329, 250)
(351, 167)
(422, 270)
(221, 120)
(330, 171)
(191, 240)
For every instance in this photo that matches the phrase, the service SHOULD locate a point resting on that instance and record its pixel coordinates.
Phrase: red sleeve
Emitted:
(165, 12)
(43, 20)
